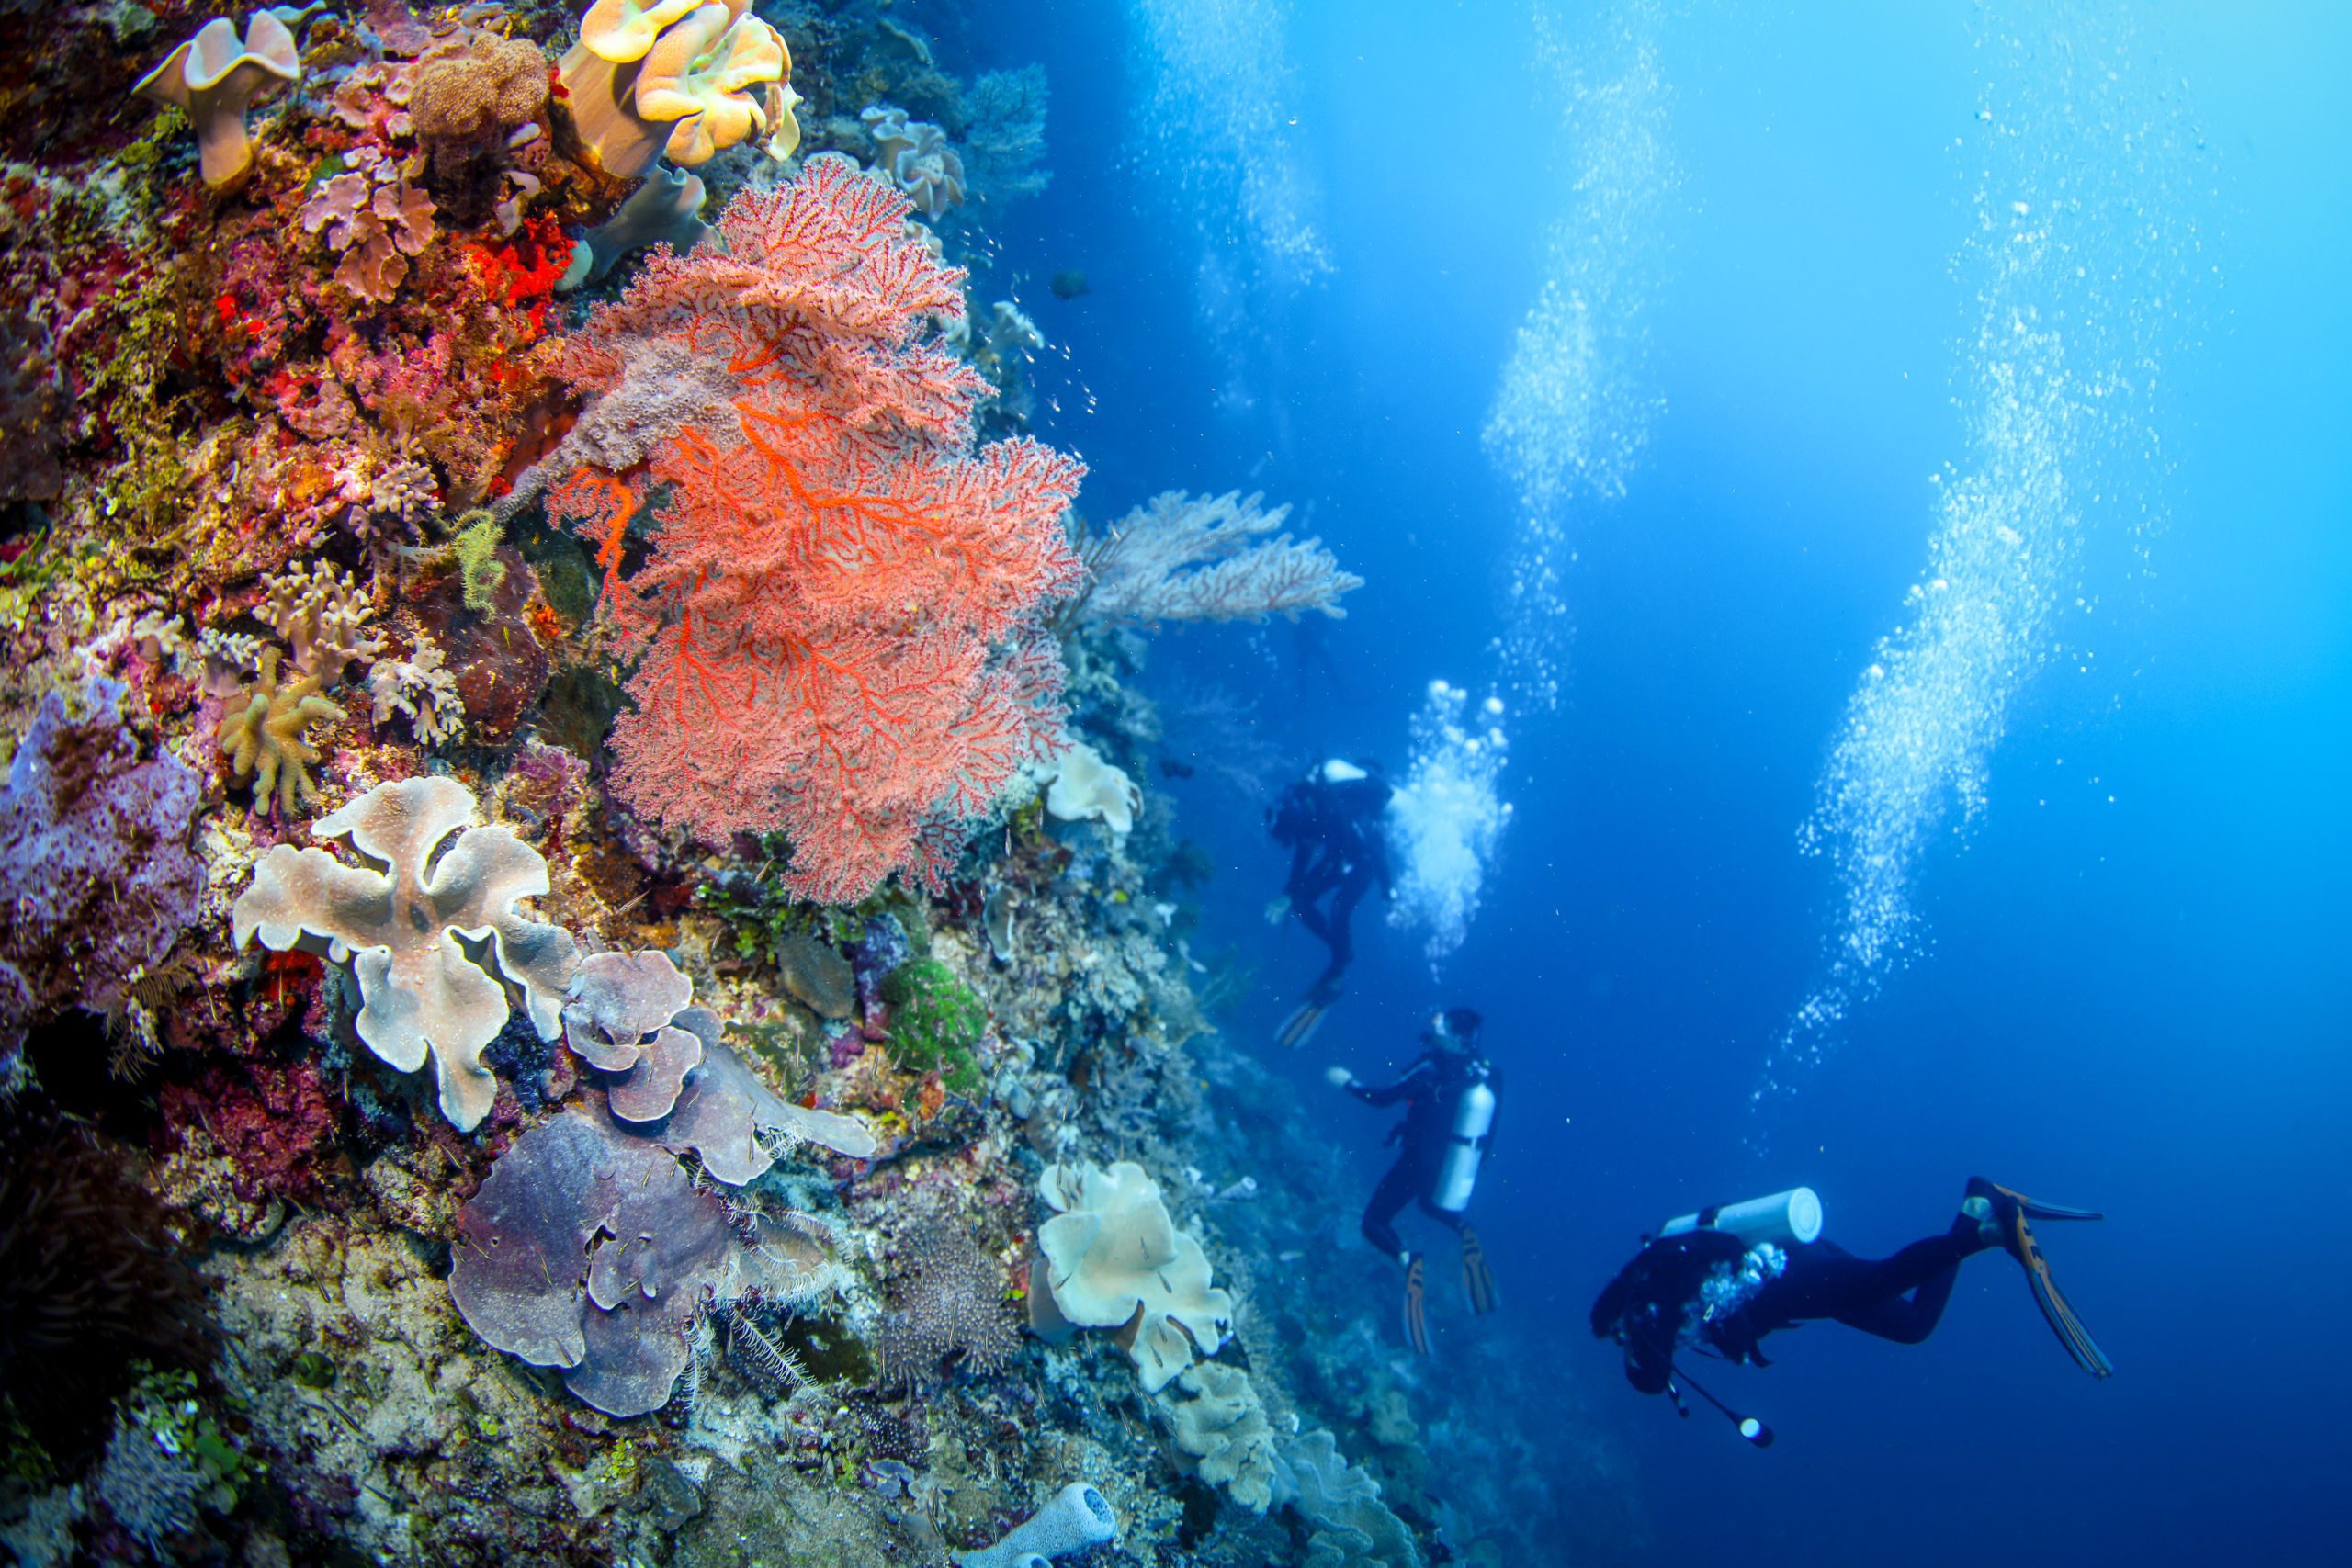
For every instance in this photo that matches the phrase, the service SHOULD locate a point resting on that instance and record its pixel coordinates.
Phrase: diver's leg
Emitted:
(1388, 1199)
(1338, 934)
(1902, 1298)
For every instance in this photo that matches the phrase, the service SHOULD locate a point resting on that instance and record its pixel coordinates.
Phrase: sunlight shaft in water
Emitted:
(1575, 404)
(2080, 259)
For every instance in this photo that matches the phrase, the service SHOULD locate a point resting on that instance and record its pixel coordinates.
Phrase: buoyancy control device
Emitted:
(1780, 1220)
(1465, 1147)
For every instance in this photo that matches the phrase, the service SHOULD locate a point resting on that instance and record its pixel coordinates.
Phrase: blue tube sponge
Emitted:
(1077, 1518)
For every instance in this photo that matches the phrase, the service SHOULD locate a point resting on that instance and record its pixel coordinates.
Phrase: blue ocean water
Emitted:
(1846, 281)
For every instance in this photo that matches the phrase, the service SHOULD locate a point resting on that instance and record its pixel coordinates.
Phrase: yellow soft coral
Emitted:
(700, 74)
(264, 739)
(654, 75)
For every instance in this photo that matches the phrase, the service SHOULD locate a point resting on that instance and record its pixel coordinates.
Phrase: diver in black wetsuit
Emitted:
(1711, 1292)
(1332, 821)
(1450, 1094)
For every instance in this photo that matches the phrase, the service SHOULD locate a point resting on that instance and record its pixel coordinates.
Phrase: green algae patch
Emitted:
(936, 1020)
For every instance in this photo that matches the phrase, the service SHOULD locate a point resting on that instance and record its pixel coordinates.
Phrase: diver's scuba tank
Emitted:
(1785, 1217)
(1465, 1147)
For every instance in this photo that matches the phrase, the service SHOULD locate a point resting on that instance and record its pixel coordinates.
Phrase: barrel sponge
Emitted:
(1077, 1518)
(1114, 1259)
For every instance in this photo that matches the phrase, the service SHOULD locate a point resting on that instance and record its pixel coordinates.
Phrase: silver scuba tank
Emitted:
(1785, 1217)
(1473, 1118)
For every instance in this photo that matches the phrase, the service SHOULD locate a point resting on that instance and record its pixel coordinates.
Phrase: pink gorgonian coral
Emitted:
(837, 615)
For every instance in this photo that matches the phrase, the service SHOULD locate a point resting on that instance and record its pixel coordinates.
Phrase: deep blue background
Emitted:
(2137, 993)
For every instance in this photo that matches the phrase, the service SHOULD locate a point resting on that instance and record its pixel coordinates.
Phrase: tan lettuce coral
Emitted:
(1114, 1259)
(398, 917)
(1221, 1423)
(265, 736)
(214, 76)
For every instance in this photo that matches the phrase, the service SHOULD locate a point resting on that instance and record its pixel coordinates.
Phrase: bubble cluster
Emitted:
(2079, 257)
(1219, 137)
(1575, 405)
(1447, 817)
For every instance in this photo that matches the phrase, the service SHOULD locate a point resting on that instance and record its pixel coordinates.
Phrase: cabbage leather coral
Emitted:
(427, 877)
(96, 879)
(837, 616)
(214, 76)
(1114, 1259)
(627, 1015)
(265, 738)
(1088, 787)
(915, 157)
(591, 1251)
(676, 77)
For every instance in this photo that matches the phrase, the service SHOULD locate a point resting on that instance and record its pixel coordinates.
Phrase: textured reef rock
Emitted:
(97, 880)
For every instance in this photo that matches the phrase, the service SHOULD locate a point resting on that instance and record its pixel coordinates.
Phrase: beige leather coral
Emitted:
(1114, 1259)
(644, 78)
(397, 918)
(264, 739)
(214, 78)
(1222, 1423)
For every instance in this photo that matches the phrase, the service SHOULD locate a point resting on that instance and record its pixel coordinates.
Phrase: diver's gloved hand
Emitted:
(1339, 1077)
(1277, 911)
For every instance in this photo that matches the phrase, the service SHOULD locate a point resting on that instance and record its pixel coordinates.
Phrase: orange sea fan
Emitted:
(837, 615)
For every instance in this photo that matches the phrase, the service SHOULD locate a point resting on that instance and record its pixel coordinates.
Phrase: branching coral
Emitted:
(627, 1015)
(398, 917)
(836, 614)
(1185, 558)
(265, 740)
(323, 614)
(97, 880)
(1113, 1258)
(423, 687)
(680, 77)
(915, 158)
(214, 76)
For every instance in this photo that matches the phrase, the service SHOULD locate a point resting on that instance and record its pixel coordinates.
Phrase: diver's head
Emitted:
(1455, 1029)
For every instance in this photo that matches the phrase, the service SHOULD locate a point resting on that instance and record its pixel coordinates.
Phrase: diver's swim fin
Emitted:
(1417, 1318)
(1477, 1279)
(1296, 1029)
(2001, 1216)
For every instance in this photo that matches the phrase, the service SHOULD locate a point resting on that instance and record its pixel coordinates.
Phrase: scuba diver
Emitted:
(1718, 1281)
(1449, 1094)
(1332, 819)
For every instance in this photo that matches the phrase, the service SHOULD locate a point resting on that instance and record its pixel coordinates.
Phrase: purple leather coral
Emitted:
(97, 880)
(628, 1014)
(591, 1251)
(397, 918)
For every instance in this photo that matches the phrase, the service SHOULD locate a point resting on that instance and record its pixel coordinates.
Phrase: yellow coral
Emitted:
(700, 75)
(623, 31)
(263, 742)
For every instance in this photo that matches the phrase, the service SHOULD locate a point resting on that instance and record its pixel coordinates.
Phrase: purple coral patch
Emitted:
(97, 880)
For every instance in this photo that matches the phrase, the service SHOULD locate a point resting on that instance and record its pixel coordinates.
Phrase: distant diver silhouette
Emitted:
(1716, 1282)
(1333, 822)
(1450, 1094)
